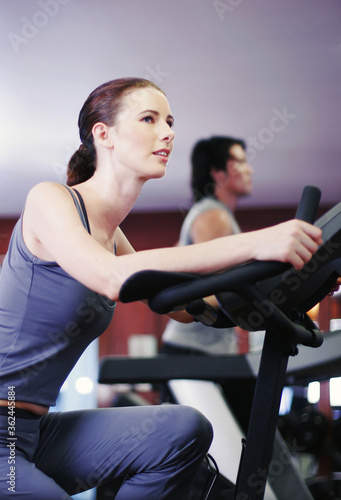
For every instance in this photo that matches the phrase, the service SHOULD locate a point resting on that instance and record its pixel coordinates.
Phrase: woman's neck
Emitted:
(109, 200)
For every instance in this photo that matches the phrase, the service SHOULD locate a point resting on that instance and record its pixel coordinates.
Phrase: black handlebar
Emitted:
(246, 275)
(168, 291)
(309, 203)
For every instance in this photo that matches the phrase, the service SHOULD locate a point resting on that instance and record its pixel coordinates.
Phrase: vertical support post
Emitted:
(325, 465)
(256, 456)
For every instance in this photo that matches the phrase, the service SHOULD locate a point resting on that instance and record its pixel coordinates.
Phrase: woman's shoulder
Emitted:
(47, 187)
(47, 201)
(45, 194)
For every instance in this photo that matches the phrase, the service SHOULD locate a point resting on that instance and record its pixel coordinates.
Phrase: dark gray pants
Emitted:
(155, 450)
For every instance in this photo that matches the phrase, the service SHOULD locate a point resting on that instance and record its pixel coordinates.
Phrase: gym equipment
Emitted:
(199, 385)
(326, 488)
(258, 295)
(303, 368)
(310, 430)
(336, 433)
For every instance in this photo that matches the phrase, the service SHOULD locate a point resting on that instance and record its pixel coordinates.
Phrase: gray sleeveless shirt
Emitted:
(47, 319)
(195, 335)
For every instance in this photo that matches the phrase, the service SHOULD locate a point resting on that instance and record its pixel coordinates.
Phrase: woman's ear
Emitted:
(100, 132)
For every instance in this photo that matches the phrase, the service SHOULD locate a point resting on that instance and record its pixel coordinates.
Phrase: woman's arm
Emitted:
(53, 230)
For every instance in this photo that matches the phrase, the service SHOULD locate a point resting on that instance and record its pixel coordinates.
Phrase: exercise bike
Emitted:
(258, 295)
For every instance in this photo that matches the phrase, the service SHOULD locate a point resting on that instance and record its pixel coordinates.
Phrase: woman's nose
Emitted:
(168, 134)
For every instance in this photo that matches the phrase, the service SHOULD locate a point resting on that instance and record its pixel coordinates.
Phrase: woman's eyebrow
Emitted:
(169, 117)
(150, 111)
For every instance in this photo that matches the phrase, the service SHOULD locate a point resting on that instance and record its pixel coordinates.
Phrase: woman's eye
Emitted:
(148, 119)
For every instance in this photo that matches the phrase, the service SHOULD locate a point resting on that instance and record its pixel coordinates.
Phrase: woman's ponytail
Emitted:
(81, 165)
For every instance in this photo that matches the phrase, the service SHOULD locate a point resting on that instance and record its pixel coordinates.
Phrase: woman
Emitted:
(62, 275)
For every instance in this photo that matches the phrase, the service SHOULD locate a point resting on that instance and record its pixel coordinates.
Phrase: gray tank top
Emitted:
(47, 319)
(196, 335)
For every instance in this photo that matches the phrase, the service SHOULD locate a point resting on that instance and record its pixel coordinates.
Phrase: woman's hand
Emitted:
(294, 241)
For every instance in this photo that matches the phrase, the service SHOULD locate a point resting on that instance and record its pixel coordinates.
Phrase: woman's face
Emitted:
(142, 135)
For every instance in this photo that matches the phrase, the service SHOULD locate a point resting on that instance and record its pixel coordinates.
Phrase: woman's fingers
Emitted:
(294, 241)
(307, 243)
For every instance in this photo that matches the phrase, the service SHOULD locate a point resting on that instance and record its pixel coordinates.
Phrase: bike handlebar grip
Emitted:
(202, 311)
(308, 205)
(208, 315)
